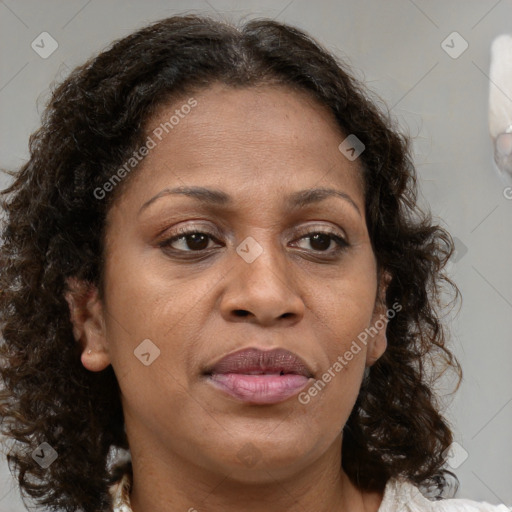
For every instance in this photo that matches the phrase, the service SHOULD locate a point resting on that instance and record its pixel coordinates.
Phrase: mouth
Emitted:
(260, 377)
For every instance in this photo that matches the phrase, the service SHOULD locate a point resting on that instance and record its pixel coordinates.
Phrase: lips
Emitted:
(260, 377)
(253, 361)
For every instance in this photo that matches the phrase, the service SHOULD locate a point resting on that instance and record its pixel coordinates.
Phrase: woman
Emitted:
(214, 261)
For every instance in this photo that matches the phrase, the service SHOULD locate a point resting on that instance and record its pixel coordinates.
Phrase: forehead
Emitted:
(262, 137)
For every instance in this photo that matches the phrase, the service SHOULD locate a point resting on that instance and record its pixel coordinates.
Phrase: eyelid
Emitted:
(190, 228)
(323, 228)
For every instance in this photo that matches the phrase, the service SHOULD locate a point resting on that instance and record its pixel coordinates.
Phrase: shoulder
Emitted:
(403, 496)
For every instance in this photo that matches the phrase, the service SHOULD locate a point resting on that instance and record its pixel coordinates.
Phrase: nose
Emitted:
(264, 291)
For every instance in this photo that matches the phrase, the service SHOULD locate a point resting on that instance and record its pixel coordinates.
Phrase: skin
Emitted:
(258, 145)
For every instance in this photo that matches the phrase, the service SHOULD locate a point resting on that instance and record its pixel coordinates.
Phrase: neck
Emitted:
(172, 484)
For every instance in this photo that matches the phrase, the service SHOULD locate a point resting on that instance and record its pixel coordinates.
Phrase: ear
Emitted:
(87, 317)
(378, 342)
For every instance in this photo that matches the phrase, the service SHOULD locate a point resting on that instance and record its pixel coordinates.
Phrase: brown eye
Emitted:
(321, 241)
(192, 241)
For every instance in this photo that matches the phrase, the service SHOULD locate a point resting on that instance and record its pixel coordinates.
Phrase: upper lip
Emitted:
(255, 360)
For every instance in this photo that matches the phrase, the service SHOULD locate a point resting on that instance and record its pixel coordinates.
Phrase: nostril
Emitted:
(241, 312)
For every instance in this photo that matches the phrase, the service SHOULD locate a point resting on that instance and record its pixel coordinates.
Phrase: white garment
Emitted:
(399, 496)
(403, 496)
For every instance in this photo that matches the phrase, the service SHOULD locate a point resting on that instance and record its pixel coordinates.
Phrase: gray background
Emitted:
(395, 46)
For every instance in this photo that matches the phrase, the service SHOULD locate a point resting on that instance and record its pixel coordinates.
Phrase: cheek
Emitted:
(148, 295)
(149, 337)
(149, 301)
(344, 313)
(345, 307)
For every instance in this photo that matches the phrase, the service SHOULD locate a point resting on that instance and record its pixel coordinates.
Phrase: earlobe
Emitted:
(87, 318)
(378, 343)
(95, 361)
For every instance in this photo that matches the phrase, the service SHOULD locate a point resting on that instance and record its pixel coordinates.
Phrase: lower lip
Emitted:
(259, 389)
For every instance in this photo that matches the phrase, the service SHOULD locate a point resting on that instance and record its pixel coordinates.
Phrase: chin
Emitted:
(262, 460)
(264, 471)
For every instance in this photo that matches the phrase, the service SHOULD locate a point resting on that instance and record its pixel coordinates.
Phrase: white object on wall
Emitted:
(500, 105)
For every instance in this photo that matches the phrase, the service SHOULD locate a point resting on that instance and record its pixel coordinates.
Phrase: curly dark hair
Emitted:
(54, 229)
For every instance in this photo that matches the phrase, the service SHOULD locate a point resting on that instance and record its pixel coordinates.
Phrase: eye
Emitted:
(320, 241)
(195, 241)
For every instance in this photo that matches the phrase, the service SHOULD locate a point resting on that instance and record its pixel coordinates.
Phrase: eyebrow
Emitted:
(294, 201)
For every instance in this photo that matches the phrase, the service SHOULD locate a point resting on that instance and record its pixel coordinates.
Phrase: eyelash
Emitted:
(342, 244)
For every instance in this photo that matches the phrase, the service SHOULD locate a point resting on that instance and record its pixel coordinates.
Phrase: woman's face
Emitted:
(260, 279)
